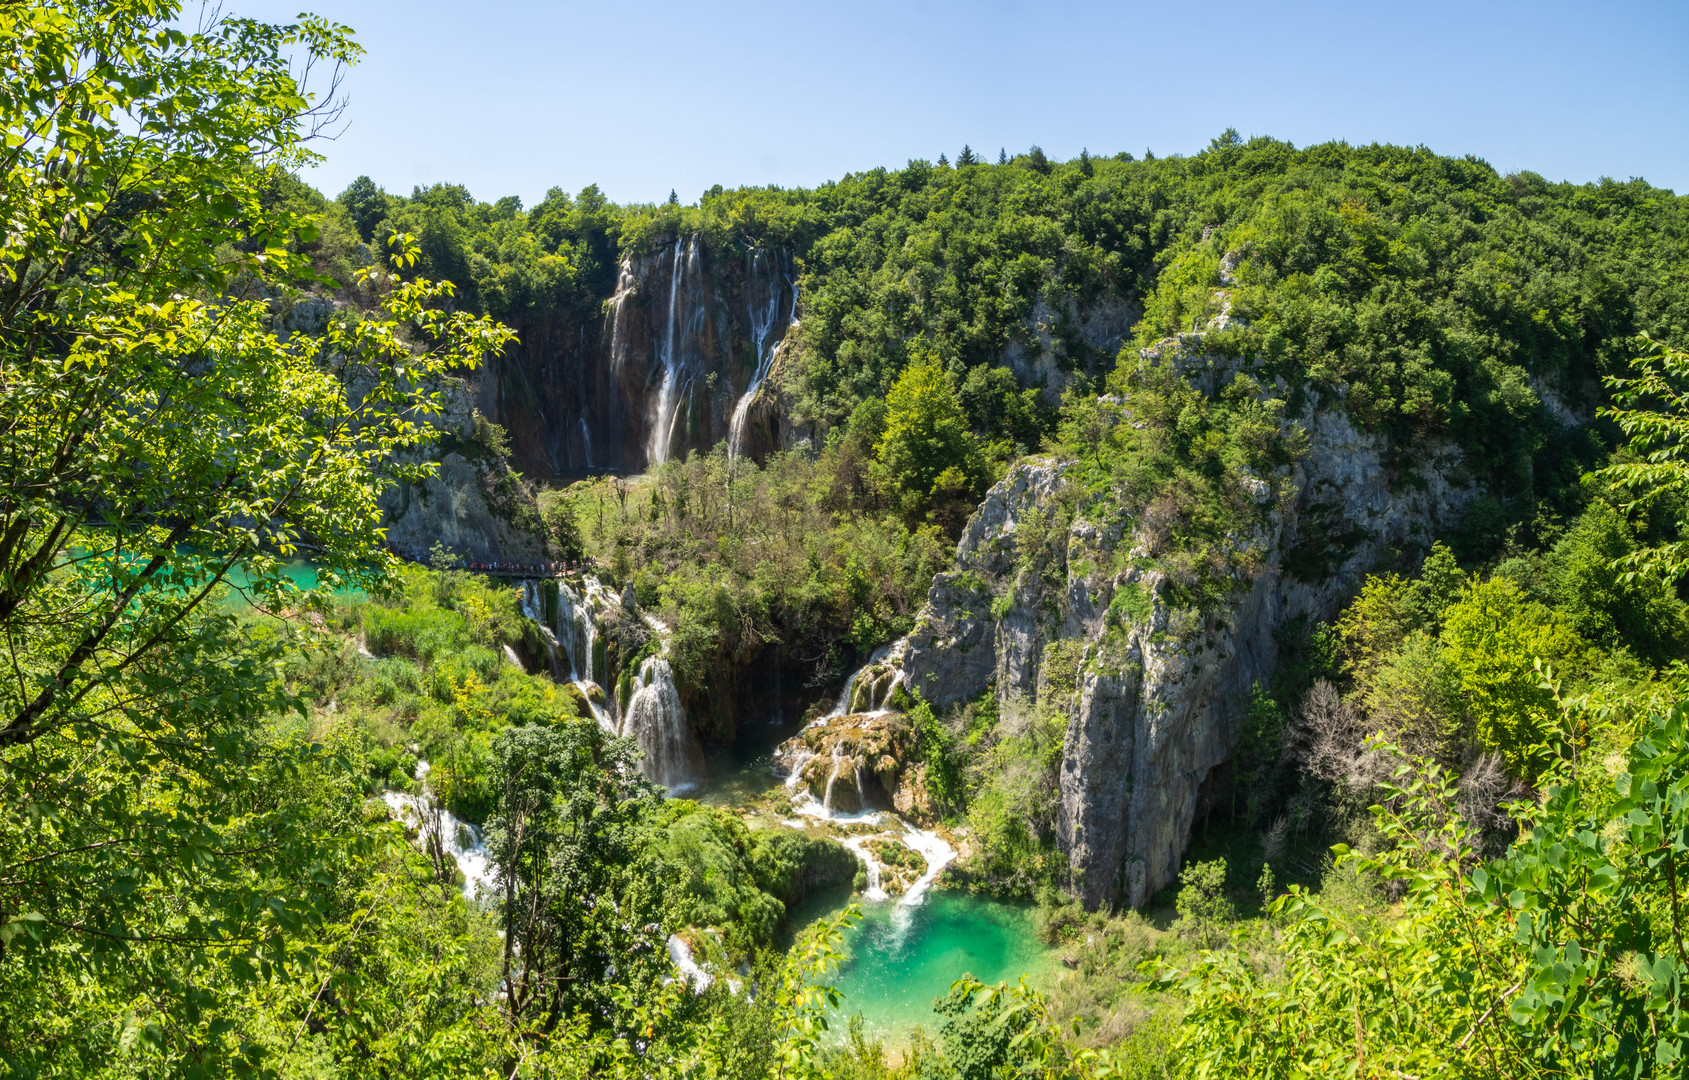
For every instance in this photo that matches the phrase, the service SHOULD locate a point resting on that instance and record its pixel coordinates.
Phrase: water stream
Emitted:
(438, 829)
(764, 309)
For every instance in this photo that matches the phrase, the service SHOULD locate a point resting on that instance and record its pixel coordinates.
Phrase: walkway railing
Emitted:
(501, 568)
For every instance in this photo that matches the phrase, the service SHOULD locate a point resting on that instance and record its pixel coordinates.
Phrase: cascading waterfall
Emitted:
(657, 722)
(685, 319)
(763, 312)
(870, 868)
(680, 955)
(654, 716)
(577, 629)
(869, 687)
(533, 609)
(437, 827)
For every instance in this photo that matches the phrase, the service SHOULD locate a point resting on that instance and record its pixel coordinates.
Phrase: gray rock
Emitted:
(471, 504)
(1159, 703)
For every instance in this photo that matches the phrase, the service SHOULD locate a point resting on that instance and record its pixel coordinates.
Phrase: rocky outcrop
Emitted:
(858, 762)
(1154, 692)
(474, 504)
(1063, 336)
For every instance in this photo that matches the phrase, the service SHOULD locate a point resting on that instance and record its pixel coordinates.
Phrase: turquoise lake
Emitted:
(302, 572)
(901, 958)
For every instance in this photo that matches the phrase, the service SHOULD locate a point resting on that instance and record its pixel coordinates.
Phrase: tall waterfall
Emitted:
(763, 307)
(685, 318)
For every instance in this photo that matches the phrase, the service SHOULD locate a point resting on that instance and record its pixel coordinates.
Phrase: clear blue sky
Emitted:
(642, 96)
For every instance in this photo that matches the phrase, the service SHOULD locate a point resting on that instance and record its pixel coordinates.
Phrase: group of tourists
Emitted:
(550, 568)
(544, 569)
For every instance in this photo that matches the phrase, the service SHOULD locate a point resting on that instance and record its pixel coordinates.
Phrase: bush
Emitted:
(1204, 910)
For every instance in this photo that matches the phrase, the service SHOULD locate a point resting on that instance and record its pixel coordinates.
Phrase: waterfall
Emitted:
(533, 609)
(656, 721)
(670, 756)
(438, 829)
(684, 320)
(627, 284)
(762, 318)
(873, 697)
(868, 691)
(572, 626)
(680, 954)
(936, 851)
(577, 629)
(870, 867)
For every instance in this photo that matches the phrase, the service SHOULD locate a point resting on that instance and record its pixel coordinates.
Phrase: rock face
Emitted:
(680, 348)
(1051, 336)
(473, 504)
(1158, 692)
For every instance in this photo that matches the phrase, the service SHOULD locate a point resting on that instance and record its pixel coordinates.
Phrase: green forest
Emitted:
(242, 740)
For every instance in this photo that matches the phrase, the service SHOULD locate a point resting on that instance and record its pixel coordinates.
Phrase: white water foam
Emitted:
(693, 972)
(459, 839)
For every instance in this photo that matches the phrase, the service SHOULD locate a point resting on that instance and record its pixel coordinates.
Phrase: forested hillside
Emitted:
(1391, 440)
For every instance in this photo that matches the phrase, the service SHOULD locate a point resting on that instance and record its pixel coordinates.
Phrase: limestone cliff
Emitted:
(1043, 577)
(474, 504)
(673, 359)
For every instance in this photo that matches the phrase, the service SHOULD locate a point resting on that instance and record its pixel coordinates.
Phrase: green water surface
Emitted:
(901, 958)
(302, 572)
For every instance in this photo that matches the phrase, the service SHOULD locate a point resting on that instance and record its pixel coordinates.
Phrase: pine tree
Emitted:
(674, 200)
(966, 157)
(1002, 156)
(943, 162)
(1085, 167)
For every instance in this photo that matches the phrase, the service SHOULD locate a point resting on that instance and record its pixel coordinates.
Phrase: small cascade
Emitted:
(869, 689)
(870, 867)
(866, 693)
(533, 609)
(655, 720)
(684, 320)
(438, 830)
(936, 851)
(571, 643)
(680, 954)
(574, 631)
